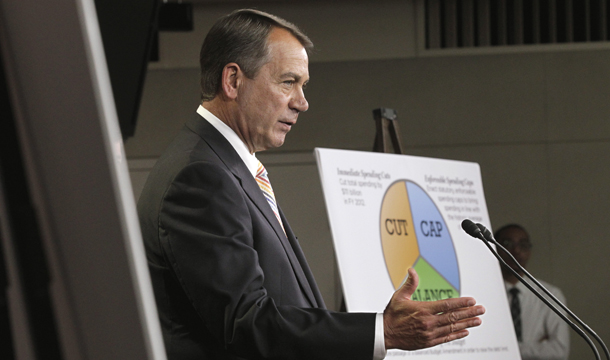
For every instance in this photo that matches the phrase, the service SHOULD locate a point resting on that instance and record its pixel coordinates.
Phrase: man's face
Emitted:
(269, 104)
(517, 242)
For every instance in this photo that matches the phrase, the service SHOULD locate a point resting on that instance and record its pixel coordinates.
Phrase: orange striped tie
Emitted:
(263, 182)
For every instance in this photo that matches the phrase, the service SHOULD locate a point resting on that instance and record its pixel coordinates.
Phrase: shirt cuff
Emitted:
(379, 351)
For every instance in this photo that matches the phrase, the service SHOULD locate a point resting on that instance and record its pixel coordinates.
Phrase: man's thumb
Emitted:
(408, 288)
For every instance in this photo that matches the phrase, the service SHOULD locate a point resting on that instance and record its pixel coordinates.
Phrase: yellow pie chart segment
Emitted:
(398, 238)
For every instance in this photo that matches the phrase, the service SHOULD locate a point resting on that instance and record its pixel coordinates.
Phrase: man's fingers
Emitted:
(452, 325)
(455, 330)
(447, 305)
(412, 325)
(457, 315)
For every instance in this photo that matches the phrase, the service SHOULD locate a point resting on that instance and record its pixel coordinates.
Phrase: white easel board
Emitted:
(390, 212)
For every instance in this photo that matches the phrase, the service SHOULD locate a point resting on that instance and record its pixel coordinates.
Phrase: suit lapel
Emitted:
(312, 291)
(256, 195)
(231, 159)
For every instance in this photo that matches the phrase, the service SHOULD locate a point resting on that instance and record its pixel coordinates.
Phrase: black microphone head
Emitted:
(471, 228)
(485, 231)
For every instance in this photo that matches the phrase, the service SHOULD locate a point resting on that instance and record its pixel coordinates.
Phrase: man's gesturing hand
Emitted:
(412, 325)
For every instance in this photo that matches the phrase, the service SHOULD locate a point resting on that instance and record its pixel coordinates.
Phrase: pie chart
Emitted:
(414, 234)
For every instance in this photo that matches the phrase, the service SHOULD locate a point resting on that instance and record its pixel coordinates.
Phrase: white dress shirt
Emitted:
(545, 334)
(251, 162)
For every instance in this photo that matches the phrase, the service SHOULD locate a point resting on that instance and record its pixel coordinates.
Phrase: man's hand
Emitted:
(412, 325)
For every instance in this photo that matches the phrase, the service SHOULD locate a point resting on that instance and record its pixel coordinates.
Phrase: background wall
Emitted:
(535, 118)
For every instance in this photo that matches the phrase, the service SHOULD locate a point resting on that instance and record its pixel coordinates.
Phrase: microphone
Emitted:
(474, 230)
(487, 234)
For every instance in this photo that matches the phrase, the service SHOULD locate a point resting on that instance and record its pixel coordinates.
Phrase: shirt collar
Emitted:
(519, 285)
(242, 150)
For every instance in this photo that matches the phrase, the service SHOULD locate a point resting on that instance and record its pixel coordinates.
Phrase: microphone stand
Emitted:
(487, 234)
(474, 231)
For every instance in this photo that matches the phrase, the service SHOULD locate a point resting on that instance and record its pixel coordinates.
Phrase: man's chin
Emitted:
(275, 143)
(279, 139)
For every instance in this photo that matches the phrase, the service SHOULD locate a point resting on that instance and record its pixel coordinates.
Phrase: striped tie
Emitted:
(263, 182)
(515, 311)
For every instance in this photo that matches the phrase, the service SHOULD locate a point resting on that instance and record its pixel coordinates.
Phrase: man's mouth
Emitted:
(288, 123)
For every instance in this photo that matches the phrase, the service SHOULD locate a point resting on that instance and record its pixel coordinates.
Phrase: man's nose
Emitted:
(299, 102)
(518, 250)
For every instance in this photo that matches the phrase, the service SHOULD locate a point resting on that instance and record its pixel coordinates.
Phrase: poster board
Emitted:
(101, 296)
(390, 212)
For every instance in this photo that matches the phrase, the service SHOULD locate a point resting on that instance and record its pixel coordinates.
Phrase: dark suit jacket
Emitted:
(229, 283)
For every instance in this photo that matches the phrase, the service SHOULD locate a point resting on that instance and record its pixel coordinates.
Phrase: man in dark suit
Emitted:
(229, 276)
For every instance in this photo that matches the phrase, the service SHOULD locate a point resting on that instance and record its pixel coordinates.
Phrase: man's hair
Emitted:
(240, 37)
(508, 226)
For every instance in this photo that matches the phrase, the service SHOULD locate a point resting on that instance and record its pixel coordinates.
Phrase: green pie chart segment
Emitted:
(434, 287)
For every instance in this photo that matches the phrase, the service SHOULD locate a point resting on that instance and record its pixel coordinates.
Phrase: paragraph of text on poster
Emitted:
(355, 182)
(456, 195)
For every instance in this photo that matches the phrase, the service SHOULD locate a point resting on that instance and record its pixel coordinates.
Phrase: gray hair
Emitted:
(240, 37)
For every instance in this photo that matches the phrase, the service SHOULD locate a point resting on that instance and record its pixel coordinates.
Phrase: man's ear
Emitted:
(230, 80)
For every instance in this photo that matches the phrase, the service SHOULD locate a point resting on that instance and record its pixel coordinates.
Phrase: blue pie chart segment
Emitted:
(434, 240)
